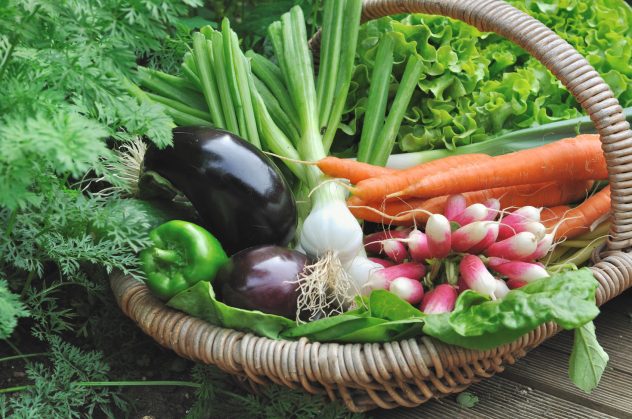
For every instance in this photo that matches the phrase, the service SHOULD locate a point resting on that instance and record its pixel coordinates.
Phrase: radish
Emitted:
(418, 246)
(515, 283)
(490, 238)
(476, 276)
(454, 205)
(373, 241)
(472, 234)
(523, 215)
(439, 236)
(518, 247)
(407, 289)
(517, 270)
(493, 208)
(501, 289)
(395, 250)
(382, 278)
(543, 247)
(440, 300)
(475, 212)
(383, 262)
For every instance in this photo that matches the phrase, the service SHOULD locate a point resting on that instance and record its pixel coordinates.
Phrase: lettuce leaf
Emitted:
(566, 298)
(476, 85)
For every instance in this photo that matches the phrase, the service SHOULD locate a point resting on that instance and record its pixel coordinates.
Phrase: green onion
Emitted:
(170, 88)
(242, 75)
(378, 97)
(276, 112)
(506, 143)
(217, 46)
(329, 58)
(272, 77)
(182, 108)
(205, 65)
(388, 134)
(352, 14)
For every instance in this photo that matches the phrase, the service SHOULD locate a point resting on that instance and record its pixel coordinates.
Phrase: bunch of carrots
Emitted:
(549, 177)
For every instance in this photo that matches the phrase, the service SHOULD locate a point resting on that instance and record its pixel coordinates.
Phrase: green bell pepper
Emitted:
(182, 255)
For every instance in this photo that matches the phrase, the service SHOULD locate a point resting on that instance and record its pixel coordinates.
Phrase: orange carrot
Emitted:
(579, 158)
(551, 216)
(376, 188)
(407, 212)
(353, 170)
(581, 218)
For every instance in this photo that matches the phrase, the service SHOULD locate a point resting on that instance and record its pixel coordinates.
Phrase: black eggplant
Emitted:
(239, 194)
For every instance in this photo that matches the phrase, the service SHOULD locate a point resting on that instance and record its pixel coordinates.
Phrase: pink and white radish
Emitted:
(509, 225)
(387, 243)
(518, 247)
(517, 270)
(407, 289)
(475, 212)
(454, 205)
(439, 236)
(470, 235)
(383, 262)
(418, 246)
(395, 250)
(490, 238)
(493, 208)
(476, 276)
(440, 300)
(380, 279)
(515, 283)
(543, 247)
(501, 289)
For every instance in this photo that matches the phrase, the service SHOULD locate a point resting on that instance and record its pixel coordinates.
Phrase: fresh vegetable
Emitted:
(353, 170)
(583, 217)
(439, 236)
(440, 299)
(473, 234)
(381, 278)
(476, 85)
(508, 142)
(517, 270)
(240, 195)
(517, 247)
(566, 298)
(375, 189)
(578, 158)
(408, 289)
(182, 254)
(476, 276)
(588, 359)
(418, 246)
(263, 278)
(473, 213)
(409, 211)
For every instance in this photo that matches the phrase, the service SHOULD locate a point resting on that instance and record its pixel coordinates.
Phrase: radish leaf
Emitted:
(588, 359)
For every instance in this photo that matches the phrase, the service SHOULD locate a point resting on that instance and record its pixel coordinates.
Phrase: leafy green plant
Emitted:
(477, 84)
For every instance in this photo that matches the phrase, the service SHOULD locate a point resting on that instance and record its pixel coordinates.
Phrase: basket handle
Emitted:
(577, 75)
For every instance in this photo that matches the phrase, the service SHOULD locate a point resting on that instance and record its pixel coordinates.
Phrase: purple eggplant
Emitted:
(262, 278)
(239, 194)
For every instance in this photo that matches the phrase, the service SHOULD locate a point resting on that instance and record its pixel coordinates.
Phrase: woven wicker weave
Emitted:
(410, 372)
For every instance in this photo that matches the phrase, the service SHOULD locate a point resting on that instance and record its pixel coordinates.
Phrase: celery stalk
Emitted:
(378, 97)
(388, 133)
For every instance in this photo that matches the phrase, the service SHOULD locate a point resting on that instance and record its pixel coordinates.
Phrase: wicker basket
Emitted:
(408, 373)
